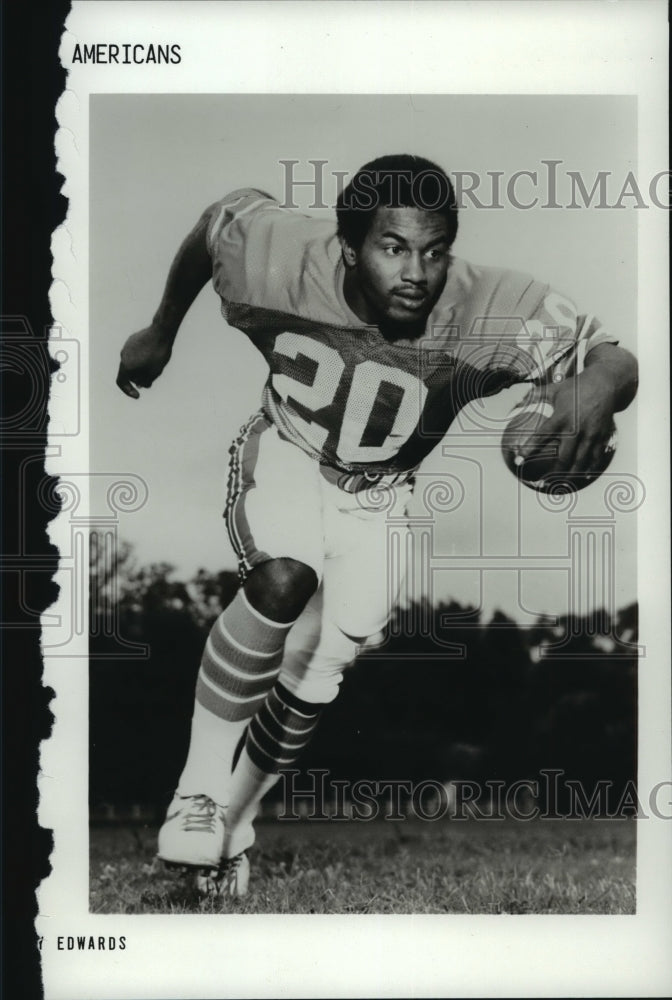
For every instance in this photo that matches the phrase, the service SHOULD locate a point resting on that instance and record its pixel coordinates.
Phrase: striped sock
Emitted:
(241, 661)
(240, 664)
(280, 730)
(276, 736)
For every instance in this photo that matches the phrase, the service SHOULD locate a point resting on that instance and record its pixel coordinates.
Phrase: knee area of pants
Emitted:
(316, 690)
(358, 625)
(315, 674)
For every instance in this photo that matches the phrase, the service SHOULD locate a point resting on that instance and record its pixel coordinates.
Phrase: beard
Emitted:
(392, 330)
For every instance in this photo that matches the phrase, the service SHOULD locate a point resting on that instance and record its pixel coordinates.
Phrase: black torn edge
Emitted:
(32, 207)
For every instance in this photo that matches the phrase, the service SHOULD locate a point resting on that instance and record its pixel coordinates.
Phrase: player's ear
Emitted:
(349, 253)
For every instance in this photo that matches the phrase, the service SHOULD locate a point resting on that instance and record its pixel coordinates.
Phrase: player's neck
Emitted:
(393, 332)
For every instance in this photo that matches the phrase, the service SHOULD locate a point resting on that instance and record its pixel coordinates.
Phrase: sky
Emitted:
(156, 161)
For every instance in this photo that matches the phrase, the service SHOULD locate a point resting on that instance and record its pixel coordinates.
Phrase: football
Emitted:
(539, 470)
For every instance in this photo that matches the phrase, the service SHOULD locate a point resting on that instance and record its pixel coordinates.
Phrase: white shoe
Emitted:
(192, 835)
(230, 878)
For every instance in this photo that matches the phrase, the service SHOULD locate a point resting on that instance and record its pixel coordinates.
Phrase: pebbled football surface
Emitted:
(539, 471)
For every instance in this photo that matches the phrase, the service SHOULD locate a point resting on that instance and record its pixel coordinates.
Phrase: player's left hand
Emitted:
(143, 357)
(581, 423)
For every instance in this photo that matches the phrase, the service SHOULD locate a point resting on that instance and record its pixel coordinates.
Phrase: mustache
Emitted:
(418, 290)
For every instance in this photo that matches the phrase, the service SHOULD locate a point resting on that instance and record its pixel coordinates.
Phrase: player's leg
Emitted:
(361, 584)
(240, 663)
(269, 483)
(316, 653)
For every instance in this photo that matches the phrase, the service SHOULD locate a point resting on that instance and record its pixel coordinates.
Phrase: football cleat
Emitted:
(192, 835)
(229, 879)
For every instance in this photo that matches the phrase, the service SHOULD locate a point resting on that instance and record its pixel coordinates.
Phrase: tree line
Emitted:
(458, 699)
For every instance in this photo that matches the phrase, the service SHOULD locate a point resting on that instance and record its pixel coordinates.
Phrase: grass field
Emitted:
(563, 866)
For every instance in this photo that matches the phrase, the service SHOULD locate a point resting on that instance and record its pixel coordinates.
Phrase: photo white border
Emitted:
(403, 47)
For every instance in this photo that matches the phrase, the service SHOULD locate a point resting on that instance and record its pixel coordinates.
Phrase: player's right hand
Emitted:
(143, 357)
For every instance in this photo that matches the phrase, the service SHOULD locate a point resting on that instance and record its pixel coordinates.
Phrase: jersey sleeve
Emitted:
(240, 240)
(556, 339)
(268, 259)
(533, 334)
(230, 214)
(511, 328)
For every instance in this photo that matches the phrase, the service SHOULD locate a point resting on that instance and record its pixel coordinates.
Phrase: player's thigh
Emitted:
(274, 503)
(364, 570)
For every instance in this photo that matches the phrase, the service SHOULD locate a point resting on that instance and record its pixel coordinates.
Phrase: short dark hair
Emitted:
(399, 180)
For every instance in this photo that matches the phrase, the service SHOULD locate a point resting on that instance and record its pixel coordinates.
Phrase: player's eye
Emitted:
(394, 250)
(436, 254)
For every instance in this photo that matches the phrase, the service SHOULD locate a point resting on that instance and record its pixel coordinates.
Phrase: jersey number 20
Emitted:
(366, 380)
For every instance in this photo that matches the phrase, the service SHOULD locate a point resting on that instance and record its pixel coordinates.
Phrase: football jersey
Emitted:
(337, 388)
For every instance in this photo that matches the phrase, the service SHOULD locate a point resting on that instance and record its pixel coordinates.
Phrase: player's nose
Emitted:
(413, 269)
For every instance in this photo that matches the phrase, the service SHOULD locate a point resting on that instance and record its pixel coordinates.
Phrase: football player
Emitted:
(375, 336)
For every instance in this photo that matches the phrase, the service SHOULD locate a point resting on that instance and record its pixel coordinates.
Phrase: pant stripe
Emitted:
(233, 491)
(241, 457)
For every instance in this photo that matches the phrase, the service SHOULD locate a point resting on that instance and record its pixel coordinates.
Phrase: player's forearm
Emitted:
(616, 369)
(189, 273)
